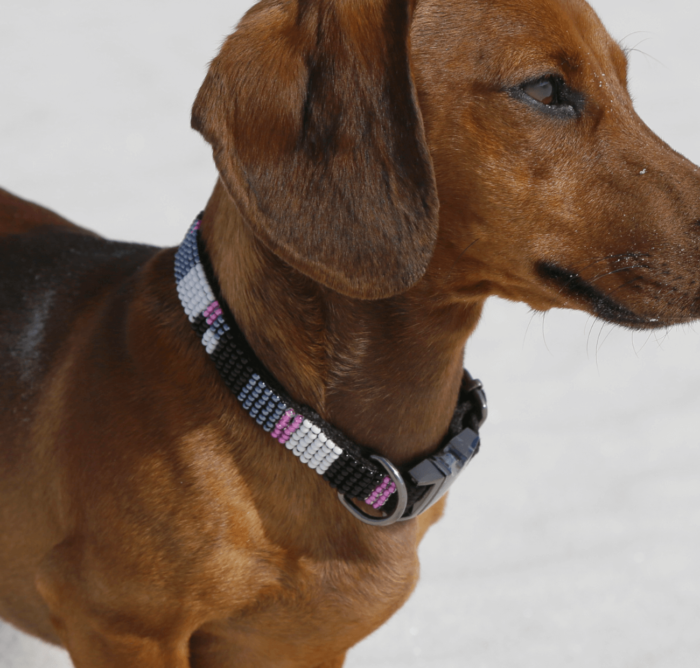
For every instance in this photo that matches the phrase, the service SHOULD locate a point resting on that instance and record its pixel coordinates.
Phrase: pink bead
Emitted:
(284, 419)
(294, 426)
(213, 316)
(212, 307)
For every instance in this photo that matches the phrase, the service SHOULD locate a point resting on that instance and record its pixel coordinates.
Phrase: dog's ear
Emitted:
(311, 111)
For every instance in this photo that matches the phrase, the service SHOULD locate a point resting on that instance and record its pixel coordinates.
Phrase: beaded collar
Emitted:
(351, 469)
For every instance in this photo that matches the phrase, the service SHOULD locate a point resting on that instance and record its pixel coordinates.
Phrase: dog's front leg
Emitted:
(336, 662)
(102, 627)
(91, 647)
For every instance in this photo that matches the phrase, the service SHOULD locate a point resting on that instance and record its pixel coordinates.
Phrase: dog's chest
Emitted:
(328, 604)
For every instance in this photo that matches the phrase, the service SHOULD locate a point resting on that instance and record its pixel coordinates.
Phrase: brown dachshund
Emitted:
(385, 166)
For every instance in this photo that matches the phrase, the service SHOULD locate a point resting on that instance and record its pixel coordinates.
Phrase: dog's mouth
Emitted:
(573, 285)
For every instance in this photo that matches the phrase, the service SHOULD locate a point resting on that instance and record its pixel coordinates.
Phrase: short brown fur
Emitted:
(381, 174)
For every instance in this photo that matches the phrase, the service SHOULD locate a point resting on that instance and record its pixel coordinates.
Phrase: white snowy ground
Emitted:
(574, 538)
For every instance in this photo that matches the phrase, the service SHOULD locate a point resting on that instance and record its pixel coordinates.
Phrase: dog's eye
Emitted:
(543, 91)
(550, 95)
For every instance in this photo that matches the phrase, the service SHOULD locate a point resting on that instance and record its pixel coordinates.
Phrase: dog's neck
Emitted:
(386, 372)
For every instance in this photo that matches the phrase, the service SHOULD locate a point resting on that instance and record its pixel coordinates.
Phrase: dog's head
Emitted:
(338, 126)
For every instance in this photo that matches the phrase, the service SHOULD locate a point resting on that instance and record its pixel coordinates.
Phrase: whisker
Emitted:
(527, 329)
(544, 338)
(614, 271)
(630, 256)
(600, 344)
(597, 345)
(588, 338)
(457, 259)
(622, 285)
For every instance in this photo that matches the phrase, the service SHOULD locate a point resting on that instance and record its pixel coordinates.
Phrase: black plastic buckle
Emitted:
(476, 389)
(437, 473)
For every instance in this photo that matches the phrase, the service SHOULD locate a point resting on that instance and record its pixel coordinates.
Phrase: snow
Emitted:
(574, 537)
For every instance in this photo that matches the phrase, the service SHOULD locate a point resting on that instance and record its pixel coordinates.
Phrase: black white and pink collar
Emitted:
(349, 468)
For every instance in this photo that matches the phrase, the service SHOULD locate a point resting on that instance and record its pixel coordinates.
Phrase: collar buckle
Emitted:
(439, 471)
(436, 473)
(480, 407)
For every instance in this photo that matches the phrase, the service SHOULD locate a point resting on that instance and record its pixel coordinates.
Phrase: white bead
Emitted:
(322, 437)
(315, 429)
(338, 450)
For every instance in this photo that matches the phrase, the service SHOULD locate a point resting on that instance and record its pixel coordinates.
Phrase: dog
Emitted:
(383, 170)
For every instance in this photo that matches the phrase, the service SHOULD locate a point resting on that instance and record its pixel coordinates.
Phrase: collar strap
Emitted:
(349, 468)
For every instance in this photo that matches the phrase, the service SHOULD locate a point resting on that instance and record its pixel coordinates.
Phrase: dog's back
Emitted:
(53, 274)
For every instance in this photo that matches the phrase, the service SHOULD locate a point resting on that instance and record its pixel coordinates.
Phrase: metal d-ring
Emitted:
(402, 499)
